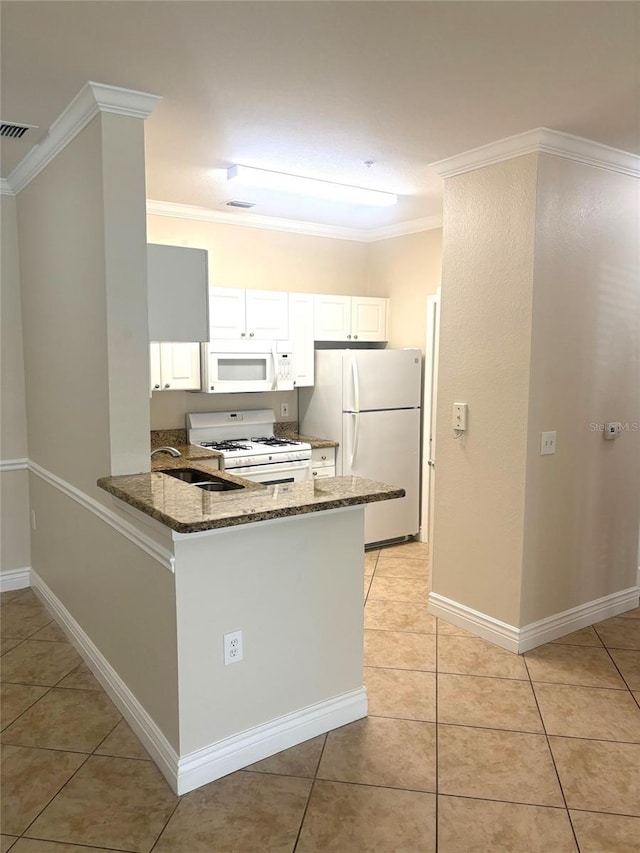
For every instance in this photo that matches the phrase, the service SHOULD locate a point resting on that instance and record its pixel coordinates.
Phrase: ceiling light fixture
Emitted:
(296, 185)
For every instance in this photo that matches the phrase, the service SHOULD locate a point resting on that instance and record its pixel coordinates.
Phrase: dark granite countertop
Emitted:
(188, 509)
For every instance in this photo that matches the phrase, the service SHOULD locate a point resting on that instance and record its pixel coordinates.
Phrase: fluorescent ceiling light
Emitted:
(294, 184)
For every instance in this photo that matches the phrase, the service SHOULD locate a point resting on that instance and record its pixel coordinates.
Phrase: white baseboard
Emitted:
(260, 742)
(575, 618)
(477, 623)
(15, 579)
(524, 639)
(222, 757)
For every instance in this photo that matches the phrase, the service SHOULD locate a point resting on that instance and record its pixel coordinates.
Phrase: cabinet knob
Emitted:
(167, 385)
(323, 457)
(242, 334)
(250, 334)
(349, 337)
(315, 473)
(355, 337)
(156, 386)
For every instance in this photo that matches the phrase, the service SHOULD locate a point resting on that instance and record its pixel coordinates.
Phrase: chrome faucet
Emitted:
(171, 450)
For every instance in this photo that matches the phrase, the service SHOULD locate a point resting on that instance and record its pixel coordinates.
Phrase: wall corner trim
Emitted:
(535, 634)
(545, 141)
(14, 464)
(90, 100)
(5, 187)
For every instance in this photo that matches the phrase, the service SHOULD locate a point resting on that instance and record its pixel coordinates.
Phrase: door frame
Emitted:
(432, 341)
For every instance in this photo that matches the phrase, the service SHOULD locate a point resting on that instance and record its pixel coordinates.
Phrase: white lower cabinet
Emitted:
(174, 366)
(323, 462)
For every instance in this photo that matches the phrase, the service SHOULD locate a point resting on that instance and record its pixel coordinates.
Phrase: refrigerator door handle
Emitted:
(354, 442)
(356, 384)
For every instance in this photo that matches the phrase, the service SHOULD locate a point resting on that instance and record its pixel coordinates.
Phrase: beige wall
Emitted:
(583, 503)
(407, 269)
(540, 323)
(487, 275)
(268, 260)
(83, 271)
(14, 488)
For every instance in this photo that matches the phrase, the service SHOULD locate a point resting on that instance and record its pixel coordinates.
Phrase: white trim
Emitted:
(521, 640)
(140, 721)
(544, 140)
(15, 579)
(218, 759)
(90, 100)
(145, 543)
(204, 765)
(272, 223)
(578, 617)
(5, 187)
(14, 464)
(477, 623)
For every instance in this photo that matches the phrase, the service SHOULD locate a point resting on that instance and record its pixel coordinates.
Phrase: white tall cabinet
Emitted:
(301, 337)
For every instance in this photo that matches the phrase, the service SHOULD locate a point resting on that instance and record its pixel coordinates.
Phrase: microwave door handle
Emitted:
(274, 386)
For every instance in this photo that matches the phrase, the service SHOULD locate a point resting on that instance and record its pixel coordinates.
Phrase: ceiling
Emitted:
(318, 88)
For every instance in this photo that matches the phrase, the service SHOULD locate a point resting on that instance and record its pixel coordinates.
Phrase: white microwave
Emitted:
(237, 366)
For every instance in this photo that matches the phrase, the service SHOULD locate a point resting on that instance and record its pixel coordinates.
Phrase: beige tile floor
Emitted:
(467, 747)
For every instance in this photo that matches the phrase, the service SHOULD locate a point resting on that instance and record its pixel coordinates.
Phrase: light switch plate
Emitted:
(548, 443)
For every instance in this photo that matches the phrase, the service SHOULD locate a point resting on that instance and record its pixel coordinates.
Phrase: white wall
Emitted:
(14, 486)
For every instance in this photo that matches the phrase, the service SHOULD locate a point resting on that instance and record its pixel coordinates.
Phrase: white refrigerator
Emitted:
(368, 400)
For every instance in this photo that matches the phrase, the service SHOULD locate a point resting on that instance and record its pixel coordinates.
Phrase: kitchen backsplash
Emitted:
(169, 408)
(173, 437)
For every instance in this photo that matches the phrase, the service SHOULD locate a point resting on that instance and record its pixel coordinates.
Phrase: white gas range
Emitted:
(248, 446)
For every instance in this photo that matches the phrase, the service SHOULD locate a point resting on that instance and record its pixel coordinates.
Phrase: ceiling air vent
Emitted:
(14, 131)
(243, 204)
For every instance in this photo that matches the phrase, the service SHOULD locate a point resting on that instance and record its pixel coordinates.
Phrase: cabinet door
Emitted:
(332, 317)
(301, 337)
(154, 366)
(267, 315)
(180, 366)
(227, 313)
(369, 318)
(178, 293)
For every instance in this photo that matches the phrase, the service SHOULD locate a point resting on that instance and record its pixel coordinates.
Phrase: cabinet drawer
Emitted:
(321, 457)
(321, 473)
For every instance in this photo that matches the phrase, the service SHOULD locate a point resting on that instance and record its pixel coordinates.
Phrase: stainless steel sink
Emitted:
(209, 482)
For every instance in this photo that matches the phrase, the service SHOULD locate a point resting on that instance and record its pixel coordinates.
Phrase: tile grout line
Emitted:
(312, 786)
(553, 759)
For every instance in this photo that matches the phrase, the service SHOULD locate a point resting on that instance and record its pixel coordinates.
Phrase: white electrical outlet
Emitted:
(232, 647)
(548, 443)
(284, 410)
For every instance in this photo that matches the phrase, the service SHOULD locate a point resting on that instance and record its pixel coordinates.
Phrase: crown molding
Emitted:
(272, 223)
(5, 187)
(90, 100)
(541, 140)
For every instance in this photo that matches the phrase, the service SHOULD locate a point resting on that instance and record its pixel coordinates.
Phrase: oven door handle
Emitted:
(354, 440)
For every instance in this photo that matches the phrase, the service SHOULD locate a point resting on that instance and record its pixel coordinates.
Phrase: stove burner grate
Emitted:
(272, 441)
(225, 445)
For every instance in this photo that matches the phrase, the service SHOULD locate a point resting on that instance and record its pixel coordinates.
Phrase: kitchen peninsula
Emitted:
(283, 565)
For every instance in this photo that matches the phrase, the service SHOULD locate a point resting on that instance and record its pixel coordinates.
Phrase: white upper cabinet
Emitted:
(301, 337)
(177, 282)
(350, 318)
(175, 366)
(260, 315)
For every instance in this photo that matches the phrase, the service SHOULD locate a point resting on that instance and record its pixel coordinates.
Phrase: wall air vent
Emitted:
(243, 204)
(14, 131)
